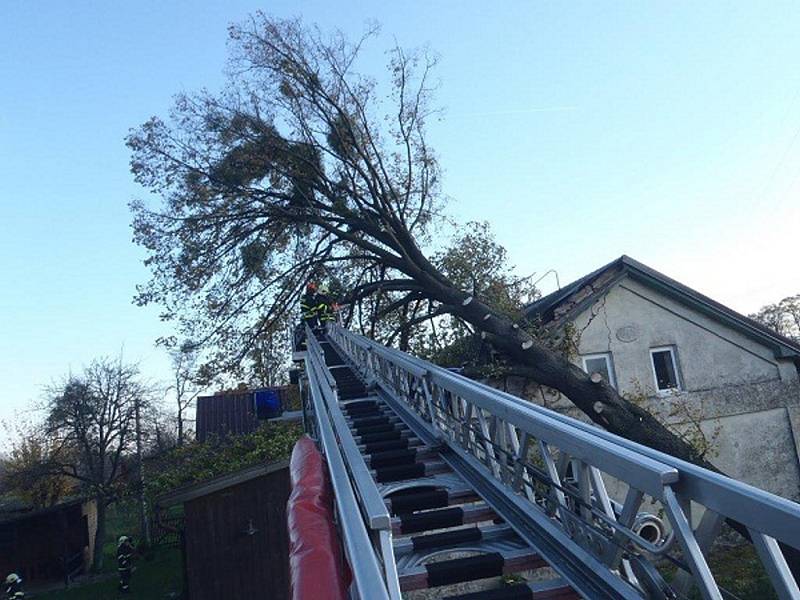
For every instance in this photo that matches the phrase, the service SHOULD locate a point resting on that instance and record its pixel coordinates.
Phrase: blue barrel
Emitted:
(268, 403)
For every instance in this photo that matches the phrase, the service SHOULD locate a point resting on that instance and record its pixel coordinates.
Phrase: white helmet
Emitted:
(122, 540)
(13, 578)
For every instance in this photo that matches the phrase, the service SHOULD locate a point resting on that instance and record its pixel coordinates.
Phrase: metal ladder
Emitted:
(440, 480)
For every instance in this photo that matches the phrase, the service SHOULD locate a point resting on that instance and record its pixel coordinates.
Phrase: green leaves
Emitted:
(196, 462)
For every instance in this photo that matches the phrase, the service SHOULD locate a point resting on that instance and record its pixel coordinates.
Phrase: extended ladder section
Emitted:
(440, 480)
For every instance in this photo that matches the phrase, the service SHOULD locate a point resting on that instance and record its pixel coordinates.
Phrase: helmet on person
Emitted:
(122, 539)
(13, 578)
(323, 289)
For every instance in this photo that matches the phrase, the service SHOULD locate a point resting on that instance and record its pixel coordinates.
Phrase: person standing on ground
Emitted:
(124, 563)
(13, 587)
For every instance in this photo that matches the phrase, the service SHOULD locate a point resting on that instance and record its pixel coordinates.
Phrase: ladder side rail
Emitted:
(372, 504)
(371, 501)
(364, 563)
(585, 452)
(755, 508)
(642, 472)
(585, 572)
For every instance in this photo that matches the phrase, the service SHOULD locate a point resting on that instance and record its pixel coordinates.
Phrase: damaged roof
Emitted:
(565, 303)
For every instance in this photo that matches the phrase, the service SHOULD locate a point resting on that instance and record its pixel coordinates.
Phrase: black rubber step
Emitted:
(432, 519)
(373, 447)
(389, 458)
(364, 407)
(367, 429)
(458, 570)
(408, 503)
(519, 591)
(400, 472)
(385, 436)
(446, 538)
(368, 421)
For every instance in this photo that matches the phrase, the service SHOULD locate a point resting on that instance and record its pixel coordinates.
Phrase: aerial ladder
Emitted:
(440, 480)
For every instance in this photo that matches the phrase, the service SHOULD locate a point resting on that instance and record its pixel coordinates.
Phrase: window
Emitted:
(665, 369)
(600, 363)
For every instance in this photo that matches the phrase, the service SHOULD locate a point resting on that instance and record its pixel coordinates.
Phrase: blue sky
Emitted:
(581, 131)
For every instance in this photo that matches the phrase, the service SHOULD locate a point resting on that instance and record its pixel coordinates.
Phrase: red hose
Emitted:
(316, 563)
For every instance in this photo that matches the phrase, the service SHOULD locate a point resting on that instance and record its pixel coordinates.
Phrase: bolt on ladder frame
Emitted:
(364, 520)
(549, 475)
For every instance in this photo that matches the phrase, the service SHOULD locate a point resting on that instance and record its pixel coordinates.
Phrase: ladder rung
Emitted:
(441, 518)
(458, 570)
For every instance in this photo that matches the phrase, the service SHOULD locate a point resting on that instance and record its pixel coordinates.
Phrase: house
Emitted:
(693, 361)
(235, 539)
(49, 544)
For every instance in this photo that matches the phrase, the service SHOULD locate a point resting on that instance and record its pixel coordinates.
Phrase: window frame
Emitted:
(612, 376)
(673, 353)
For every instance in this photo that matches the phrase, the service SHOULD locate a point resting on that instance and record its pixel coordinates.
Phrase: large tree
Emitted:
(304, 165)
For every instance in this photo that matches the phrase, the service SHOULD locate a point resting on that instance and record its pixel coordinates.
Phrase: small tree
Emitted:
(27, 472)
(92, 417)
(185, 385)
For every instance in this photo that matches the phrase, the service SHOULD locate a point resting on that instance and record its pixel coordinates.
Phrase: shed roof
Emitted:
(209, 486)
(567, 302)
(15, 510)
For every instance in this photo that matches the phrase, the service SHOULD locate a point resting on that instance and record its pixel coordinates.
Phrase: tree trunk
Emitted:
(180, 423)
(144, 522)
(599, 401)
(100, 535)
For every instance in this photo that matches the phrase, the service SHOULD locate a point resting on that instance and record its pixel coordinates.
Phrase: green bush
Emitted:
(196, 461)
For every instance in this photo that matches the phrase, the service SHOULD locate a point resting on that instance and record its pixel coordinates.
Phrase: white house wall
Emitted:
(748, 401)
(709, 354)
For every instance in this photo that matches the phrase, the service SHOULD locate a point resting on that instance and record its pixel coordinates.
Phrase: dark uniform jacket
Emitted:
(14, 591)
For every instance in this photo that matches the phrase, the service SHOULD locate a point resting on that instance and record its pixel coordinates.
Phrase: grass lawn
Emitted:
(156, 579)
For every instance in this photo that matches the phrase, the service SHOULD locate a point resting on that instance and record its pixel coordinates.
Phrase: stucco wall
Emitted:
(632, 318)
(746, 402)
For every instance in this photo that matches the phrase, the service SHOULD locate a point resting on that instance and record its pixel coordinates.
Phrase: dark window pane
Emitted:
(598, 365)
(666, 378)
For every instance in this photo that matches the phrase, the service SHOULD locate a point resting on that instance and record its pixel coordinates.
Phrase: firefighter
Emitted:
(308, 306)
(124, 563)
(325, 305)
(14, 587)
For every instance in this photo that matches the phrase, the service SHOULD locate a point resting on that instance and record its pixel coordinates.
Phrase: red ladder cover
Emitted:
(318, 568)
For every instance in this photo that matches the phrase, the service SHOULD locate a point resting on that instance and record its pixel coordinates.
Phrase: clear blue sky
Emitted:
(667, 131)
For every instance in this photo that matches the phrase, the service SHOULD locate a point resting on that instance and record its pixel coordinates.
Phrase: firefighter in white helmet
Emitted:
(13, 587)
(124, 563)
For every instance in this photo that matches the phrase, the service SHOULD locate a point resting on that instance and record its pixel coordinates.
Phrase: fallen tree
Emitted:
(302, 164)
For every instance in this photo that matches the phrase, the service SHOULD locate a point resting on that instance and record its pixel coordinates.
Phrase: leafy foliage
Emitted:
(288, 175)
(27, 474)
(195, 462)
(783, 317)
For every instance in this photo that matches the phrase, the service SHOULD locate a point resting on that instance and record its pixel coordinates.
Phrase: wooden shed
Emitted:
(232, 413)
(50, 544)
(235, 537)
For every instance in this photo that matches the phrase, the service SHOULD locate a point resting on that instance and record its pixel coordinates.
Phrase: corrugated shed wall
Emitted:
(225, 414)
(230, 414)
